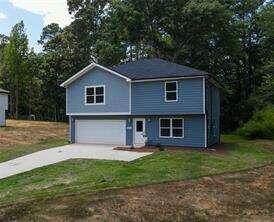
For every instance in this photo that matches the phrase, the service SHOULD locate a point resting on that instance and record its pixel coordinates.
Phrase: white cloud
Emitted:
(2, 15)
(52, 10)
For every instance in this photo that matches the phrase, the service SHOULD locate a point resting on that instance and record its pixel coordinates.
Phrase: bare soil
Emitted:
(216, 149)
(241, 196)
(21, 132)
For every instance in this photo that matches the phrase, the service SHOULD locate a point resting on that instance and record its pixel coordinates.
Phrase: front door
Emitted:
(139, 132)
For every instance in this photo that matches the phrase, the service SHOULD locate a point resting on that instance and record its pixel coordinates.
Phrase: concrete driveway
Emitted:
(58, 154)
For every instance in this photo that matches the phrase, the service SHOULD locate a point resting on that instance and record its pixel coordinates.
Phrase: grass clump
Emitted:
(261, 125)
(78, 212)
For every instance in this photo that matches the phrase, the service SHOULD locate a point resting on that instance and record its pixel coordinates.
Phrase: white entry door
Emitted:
(101, 131)
(139, 132)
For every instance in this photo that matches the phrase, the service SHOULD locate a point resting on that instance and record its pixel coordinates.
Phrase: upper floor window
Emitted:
(95, 95)
(171, 91)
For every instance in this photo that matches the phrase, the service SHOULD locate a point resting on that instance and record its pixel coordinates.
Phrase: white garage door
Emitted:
(101, 131)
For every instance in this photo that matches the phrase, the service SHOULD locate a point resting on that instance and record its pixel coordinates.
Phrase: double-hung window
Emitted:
(171, 127)
(171, 91)
(95, 95)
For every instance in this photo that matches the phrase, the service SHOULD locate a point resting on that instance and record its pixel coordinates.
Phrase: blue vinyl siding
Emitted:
(194, 132)
(213, 114)
(71, 129)
(148, 101)
(129, 132)
(148, 98)
(116, 93)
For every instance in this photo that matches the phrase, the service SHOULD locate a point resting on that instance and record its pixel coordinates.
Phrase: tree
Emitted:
(14, 57)
(3, 43)
(32, 96)
(231, 39)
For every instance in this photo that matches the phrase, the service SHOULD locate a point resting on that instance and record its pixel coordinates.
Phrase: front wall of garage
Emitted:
(127, 119)
(101, 131)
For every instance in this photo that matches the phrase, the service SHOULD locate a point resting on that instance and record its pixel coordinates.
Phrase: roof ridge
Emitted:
(146, 68)
(161, 59)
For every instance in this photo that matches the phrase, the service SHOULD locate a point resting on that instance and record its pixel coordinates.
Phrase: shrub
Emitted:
(159, 146)
(261, 125)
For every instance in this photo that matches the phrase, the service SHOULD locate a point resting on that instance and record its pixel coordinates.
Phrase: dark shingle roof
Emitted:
(155, 68)
(3, 91)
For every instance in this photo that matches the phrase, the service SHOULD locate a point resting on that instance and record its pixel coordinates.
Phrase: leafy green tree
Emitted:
(3, 43)
(32, 95)
(52, 68)
(14, 57)
(231, 39)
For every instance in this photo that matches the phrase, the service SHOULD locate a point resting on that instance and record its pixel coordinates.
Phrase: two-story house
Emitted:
(149, 101)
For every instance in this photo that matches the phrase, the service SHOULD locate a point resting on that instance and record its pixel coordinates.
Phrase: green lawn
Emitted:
(80, 176)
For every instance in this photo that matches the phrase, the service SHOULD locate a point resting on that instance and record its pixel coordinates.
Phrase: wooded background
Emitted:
(231, 39)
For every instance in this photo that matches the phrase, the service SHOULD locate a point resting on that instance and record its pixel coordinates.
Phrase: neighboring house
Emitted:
(149, 101)
(3, 106)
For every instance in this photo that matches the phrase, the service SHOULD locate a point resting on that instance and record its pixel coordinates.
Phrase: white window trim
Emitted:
(168, 101)
(170, 133)
(171, 128)
(95, 104)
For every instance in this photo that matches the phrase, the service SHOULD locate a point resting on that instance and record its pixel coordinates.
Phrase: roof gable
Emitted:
(87, 69)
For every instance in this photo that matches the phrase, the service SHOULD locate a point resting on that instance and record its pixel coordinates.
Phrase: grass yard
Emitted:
(91, 188)
(21, 137)
(241, 196)
(84, 176)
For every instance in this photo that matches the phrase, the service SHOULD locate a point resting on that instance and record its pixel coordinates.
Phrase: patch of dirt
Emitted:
(242, 196)
(216, 149)
(21, 132)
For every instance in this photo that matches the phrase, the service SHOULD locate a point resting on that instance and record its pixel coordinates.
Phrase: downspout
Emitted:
(204, 110)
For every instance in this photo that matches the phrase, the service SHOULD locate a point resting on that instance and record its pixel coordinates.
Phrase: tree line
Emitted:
(231, 39)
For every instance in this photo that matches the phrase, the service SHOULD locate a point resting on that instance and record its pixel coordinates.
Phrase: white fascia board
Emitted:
(77, 75)
(167, 79)
(99, 114)
(113, 72)
(88, 68)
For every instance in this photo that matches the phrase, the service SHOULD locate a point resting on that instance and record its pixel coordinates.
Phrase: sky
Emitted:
(35, 13)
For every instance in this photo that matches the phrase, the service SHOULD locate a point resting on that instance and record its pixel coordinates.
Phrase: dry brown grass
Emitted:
(23, 132)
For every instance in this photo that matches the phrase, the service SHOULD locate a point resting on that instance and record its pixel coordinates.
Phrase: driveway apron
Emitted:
(62, 153)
